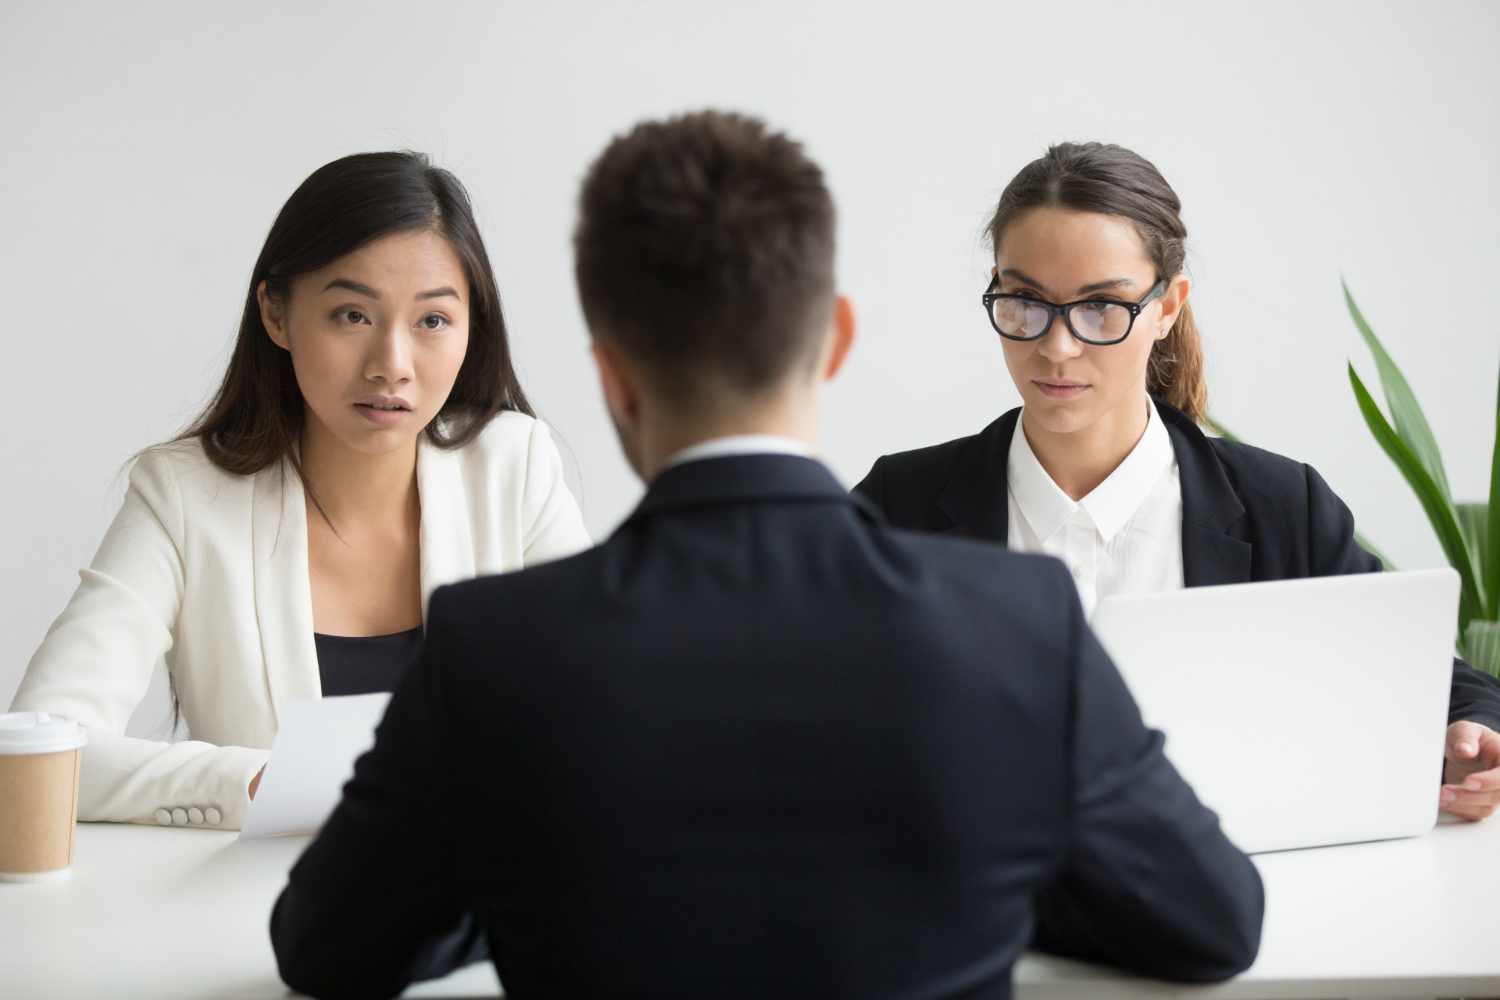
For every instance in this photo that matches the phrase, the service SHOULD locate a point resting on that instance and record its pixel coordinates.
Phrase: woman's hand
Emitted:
(1471, 771)
(255, 782)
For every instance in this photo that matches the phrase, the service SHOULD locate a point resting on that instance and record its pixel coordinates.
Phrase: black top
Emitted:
(760, 744)
(1247, 515)
(362, 664)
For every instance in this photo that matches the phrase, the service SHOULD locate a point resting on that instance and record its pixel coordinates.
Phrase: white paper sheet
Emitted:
(313, 756)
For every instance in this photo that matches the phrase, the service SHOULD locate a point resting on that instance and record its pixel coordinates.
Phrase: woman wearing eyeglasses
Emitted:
(1104, 465)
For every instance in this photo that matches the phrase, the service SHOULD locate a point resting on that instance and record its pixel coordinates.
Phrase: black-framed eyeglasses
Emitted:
(1093, 321)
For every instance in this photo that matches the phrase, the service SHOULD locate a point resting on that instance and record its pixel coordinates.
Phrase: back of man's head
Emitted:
(704, 250)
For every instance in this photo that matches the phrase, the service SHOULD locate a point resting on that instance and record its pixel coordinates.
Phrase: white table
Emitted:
(158, 914)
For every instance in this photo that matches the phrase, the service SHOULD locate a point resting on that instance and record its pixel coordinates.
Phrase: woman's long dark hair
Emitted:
(255, 418)
(1099, 177)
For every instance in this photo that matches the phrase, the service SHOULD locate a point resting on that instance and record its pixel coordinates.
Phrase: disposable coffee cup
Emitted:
(39, 758)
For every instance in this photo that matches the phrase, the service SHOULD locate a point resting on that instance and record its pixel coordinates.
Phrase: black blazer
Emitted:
(1247, 515)
(757, 744)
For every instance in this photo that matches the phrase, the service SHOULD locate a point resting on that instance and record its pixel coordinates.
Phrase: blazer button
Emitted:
(163, 817)
(179, 816)
(212, 815)
(195, 815)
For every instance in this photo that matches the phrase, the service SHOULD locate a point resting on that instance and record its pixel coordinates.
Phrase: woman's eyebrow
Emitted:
(353, 286)
(1020, 277)
(438, 293)
(1098, 286)
(1104, 286)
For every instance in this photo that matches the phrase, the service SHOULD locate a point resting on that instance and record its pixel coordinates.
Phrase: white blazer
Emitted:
(209, 569)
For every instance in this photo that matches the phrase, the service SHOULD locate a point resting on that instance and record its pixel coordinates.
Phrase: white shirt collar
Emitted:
(1111, 504)
(740, 444)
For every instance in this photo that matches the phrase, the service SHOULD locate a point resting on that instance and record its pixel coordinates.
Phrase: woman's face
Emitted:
(1060, 255)
(376, 338)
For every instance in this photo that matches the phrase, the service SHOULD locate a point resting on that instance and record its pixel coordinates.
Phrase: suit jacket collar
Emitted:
(447, 536)
(283, 593)
(742, 479)
(976, 499)
(1210, 555)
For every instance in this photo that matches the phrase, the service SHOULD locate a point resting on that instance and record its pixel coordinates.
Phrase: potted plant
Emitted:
(1468, 532)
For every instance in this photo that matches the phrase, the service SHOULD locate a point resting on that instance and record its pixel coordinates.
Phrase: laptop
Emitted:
(1304, 712)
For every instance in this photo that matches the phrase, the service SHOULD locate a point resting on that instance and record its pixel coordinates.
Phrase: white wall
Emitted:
(145, 148)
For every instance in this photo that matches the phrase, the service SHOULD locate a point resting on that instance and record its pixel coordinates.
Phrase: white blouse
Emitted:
(209, 570)
(1123, 538)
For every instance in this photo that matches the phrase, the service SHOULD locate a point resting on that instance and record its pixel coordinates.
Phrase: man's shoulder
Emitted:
(531, 583)
(945, 561)
(985, 563)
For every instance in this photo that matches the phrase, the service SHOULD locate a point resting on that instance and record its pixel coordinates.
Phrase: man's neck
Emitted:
(665, 437)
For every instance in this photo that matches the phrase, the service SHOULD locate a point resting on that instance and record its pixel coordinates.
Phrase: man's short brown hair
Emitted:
(704, 248)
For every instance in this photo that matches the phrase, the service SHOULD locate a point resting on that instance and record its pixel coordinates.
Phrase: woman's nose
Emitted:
(1058, 343)
(389, 359)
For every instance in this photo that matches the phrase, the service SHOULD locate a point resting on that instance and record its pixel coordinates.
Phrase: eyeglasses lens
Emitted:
(1101, 321)
(1019, 318)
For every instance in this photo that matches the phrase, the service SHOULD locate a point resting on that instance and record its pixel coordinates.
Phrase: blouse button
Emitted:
(1078, 571)
(195, 815)
(212, 815)
(163, 817)
(179, 816)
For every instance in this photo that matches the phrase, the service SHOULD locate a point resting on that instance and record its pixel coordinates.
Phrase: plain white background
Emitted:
(147, 147)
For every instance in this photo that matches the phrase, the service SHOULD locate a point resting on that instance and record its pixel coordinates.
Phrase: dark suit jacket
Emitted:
(1247, 515)
(757, 744)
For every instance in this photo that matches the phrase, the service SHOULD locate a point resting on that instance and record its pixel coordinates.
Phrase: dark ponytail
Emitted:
(1112, 180)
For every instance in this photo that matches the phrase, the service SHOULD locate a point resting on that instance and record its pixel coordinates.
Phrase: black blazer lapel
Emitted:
(1209, 507)
(975, 498)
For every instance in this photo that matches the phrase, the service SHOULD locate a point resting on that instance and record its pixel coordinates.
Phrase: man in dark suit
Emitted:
(756, 743)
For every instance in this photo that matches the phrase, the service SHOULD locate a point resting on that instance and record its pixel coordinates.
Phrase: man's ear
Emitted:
(272, 317)
(621, 394)
(840, 338)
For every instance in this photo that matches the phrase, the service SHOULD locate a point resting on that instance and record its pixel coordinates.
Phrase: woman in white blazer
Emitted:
(369, 443)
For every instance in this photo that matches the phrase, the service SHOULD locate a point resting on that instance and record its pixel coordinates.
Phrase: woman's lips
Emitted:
(384, 414)
(1059, 390)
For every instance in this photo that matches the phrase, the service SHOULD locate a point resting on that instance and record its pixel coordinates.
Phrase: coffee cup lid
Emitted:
(39, 732)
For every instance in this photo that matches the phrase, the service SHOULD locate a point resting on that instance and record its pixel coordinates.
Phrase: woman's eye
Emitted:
(350, 316)
(433, 322)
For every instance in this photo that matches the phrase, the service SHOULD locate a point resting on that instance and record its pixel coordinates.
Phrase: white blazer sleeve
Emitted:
(97, 658)
(553, 523)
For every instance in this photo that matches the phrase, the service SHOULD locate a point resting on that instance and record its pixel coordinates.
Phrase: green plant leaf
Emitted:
(1411, 423)
(1492, 541)
(1439, 509)
(1473, 524)
(1482, 646)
